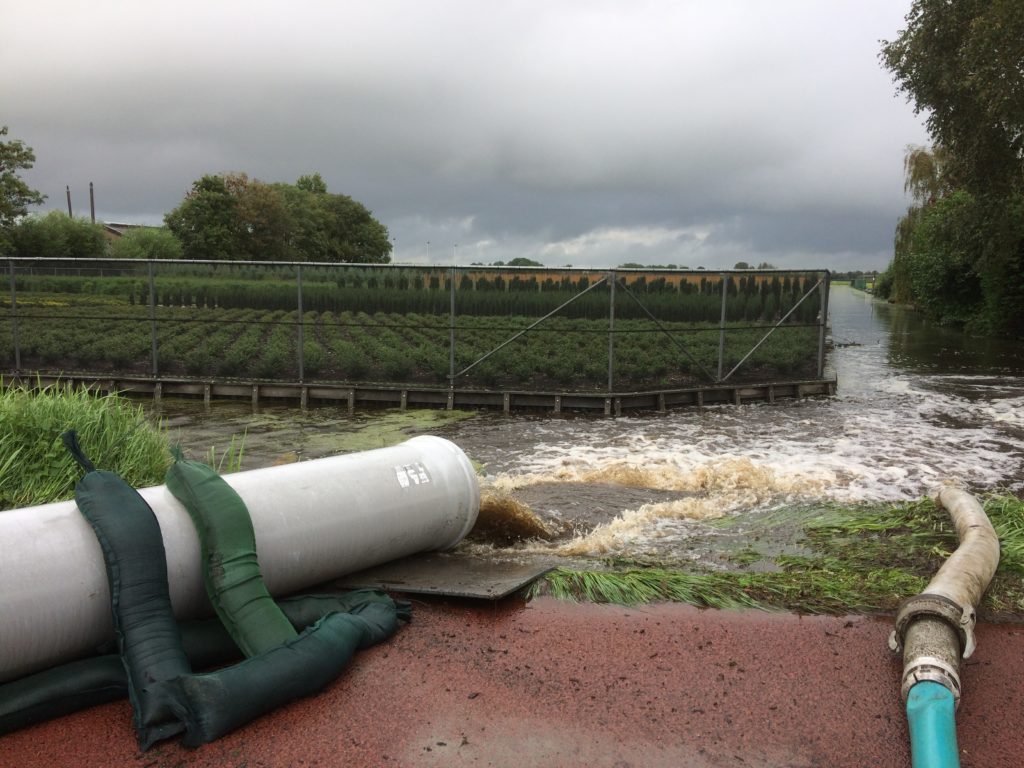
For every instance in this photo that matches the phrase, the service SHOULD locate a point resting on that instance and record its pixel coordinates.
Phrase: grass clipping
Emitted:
(34, 466)
(866, 560)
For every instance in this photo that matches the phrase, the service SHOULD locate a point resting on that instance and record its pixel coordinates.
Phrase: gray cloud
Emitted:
(595, 133)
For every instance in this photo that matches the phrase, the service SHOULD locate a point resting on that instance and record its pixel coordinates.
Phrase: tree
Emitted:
(147, 243)
(927, 177)
(741, 265)
(959, 251)
(928, 173)
(314, 184)
(938, 263)
(56, 236)
(206, 223)
(961, 64)
(15, 195)
(264, 221)
(235, 217)
(353, 235)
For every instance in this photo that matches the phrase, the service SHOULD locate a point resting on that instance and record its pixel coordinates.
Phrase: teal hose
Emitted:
(931, 714)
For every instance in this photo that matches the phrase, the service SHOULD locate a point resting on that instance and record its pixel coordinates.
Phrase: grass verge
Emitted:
(35, 468)
(863, 560)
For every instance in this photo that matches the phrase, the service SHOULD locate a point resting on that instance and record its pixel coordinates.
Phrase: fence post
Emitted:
(611, 331)
(302, 322)
(14, 319)
(721, 325)
(451, 331)
(152, 319)
(823, 322)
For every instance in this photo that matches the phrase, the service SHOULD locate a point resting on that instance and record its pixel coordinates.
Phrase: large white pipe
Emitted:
(314, 521)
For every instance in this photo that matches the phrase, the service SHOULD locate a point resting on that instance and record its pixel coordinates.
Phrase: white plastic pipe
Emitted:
(314, 521)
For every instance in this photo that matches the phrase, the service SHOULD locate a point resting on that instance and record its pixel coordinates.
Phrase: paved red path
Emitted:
(557, 684)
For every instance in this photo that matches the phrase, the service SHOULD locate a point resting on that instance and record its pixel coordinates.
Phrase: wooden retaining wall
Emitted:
(381, 396)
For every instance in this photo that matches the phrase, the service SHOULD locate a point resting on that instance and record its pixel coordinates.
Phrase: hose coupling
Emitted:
(960, 619)
(934, 669)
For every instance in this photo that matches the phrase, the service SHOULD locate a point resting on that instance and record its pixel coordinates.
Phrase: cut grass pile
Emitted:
(864, 560)
(35, 468)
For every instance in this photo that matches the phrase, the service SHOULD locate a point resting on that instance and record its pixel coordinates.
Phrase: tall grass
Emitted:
(34, 466)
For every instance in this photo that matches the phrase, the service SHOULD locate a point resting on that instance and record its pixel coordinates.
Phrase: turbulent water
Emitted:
(917, 406)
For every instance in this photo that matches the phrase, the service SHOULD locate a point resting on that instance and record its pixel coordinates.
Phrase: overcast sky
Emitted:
(585, 133)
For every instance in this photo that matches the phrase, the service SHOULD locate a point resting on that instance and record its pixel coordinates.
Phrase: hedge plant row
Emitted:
(393, 347)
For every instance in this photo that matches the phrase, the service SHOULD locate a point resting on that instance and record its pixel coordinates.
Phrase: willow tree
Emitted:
(960, 248)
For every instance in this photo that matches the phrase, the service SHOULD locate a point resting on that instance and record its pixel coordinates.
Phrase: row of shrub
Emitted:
(748, 299)
(397, 347)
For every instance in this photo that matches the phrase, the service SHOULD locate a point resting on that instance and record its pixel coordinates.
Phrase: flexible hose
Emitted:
(930, 713)
(935, 629)
(965, 575)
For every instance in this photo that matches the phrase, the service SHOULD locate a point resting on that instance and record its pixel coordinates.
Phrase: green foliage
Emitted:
(36, 469)
(15, 195)
(960, 63)
(234, 217)
(883, 284)
(1001, 267)
(57, 236)
(207, 221)
(940, 262)
(960, 259)
(147, 243)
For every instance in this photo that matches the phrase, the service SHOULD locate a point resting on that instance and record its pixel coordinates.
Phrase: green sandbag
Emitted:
(231, 571)
(216, 703)
(380, 612)
(60, 691)
(133, 550)
(92, 681)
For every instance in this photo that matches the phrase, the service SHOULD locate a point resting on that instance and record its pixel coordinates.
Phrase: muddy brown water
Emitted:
(917, 405)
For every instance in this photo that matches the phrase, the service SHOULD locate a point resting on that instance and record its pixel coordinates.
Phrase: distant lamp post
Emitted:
(428, 251)
(454, 249)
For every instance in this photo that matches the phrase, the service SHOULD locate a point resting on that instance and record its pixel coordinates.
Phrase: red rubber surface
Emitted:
(557, 684)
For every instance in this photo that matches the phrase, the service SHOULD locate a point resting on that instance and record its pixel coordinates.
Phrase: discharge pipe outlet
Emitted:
(313, 520)
(935, 629)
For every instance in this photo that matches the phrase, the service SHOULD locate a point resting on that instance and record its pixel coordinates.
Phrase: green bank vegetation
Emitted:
(959, 250)
(35, 468)
(861, 560)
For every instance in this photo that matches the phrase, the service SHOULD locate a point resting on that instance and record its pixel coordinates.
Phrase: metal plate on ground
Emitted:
(449, 574)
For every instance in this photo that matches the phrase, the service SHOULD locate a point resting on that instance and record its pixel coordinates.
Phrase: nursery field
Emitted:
(397, 327)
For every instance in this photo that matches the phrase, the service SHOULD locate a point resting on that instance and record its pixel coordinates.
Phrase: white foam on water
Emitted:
(724, 485)
(891, 434)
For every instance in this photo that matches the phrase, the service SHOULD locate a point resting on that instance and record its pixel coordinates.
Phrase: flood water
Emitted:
(917, 406)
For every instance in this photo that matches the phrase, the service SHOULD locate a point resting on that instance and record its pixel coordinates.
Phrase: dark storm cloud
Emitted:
(588, 132)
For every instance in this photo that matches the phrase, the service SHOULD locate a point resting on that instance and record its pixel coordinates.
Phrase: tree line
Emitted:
(959, 249)
(223, 217)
